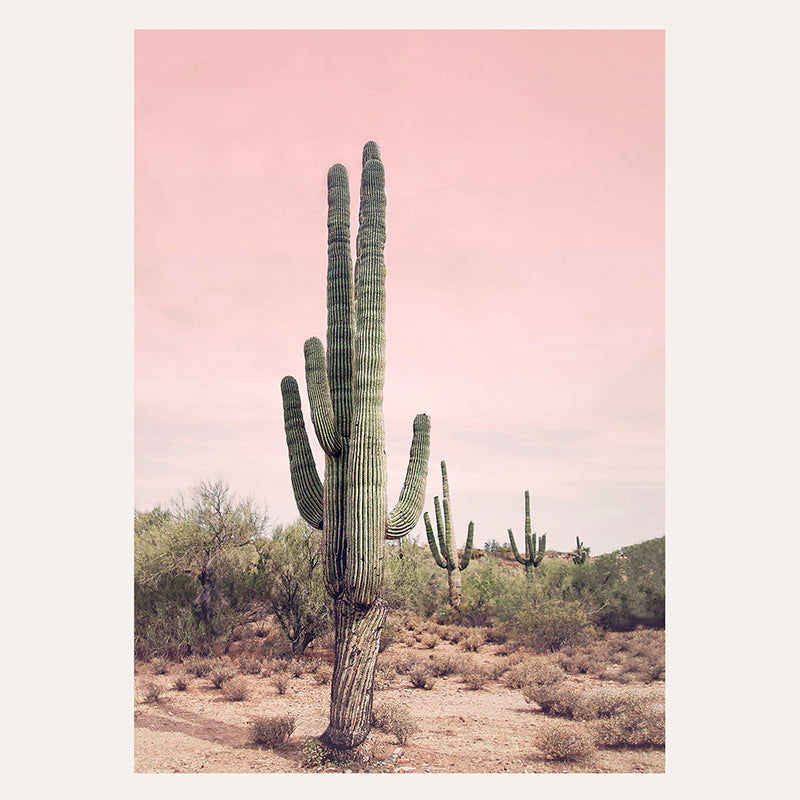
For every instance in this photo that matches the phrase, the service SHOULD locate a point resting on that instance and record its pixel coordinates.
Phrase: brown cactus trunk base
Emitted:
(358, 633)
(454, 587)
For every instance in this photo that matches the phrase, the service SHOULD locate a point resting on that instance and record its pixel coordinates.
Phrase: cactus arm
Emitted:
(465, 559)
(537, 559)
(432, 542)
(341, 319)
(319, 398)
(405, 515)
(306, 484)
(366, 476)
(440, 532)
(514, 548)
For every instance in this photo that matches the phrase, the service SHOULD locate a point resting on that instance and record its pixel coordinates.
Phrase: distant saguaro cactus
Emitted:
(345, 393)
(580, 553)
(446, 555)
(533, 556)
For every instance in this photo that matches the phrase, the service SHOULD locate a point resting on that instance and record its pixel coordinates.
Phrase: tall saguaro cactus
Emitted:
(345, 393)
(445, 555)
(533, 556)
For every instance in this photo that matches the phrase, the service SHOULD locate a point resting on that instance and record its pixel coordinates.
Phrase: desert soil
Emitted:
(490, 730)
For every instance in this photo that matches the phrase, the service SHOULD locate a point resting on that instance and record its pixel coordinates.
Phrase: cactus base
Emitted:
(358, 634)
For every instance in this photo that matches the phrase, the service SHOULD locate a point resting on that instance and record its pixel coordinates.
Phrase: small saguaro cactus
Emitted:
(580, 553)
(533, 556)
(446, 555)
(345, 393)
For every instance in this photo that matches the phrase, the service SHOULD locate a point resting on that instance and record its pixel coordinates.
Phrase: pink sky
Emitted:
(525, 262)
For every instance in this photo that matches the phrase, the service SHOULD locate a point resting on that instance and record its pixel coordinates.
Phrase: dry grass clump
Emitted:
(428, 640)
(159, 666)
(151, 692)
(384, 675)
(420, 677)
(395, 720)
(497, 669)
(181, 682)
(281, 682)
(296, 667)
(235, 689)
(561, 741)
(496, 636)
(401, 664)
(557, 699)
(197, 666)
(475, 678)
(220, 674)
(637, 724)
(250, 665)
(449, 665)
(272, 731)
(273, 665)
(473, 641)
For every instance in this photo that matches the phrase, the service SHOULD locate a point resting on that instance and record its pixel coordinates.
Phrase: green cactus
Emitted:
(533, 555)
(445, 555)
(345, 393)
(580, 553)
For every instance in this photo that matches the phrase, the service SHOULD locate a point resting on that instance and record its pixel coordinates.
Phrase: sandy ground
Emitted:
(490, 730)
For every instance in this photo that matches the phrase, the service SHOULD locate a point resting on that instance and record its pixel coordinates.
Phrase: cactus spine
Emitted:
(345, 393)
(581, 552)
(533, 555)
(446, 555)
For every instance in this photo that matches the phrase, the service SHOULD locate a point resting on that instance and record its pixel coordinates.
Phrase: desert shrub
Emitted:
(272, 731)
(497, 669)
(296, 668)
(384, 675)
(448, 665)
(219, 675)
(561, 741)
(517, 676)
(475, 678)
(181, 682)
(395, 719)
(428, 641)
(274, 665)
(402, 664)
(151, 692)
(197, 666)
(420, 677)
(235, 689)
(496, 636)
(160, 666)
(544, 673)
(473, 641)
(288, 573)
(638, 724)
(548, 624)
(413, 585)
(281, 682)
(250, 665)
(555, 699)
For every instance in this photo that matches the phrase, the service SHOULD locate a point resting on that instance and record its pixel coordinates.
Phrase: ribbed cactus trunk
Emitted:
(445, 554)
(345, 392)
